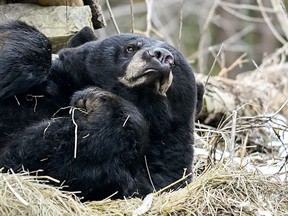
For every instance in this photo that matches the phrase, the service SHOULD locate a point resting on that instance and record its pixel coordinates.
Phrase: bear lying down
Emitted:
(123, 108)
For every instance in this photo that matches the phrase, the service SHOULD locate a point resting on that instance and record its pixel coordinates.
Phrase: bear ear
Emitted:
(200, 93)
(85, 35)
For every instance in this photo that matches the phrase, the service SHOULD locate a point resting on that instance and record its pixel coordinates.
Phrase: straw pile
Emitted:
(217, 191)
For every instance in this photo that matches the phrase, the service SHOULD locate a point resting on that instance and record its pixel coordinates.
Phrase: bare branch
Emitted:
(149, 4)
(203, 37)
(180, 24)
(269, 23)
(132, 16)
(112, 17)
(281, 14)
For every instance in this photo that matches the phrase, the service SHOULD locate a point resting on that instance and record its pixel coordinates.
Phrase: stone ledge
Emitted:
(57, 23)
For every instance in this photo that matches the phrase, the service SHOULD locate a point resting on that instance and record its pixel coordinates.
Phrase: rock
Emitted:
(52, 2)
(57, 23)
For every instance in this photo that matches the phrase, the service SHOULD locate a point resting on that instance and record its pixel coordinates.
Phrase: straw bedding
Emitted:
(220, 190)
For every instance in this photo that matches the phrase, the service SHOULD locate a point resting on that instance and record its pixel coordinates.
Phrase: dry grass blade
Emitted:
(72, 112)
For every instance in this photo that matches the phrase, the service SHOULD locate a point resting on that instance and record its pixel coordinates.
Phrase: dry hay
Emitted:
(22, 194)
(217, 191)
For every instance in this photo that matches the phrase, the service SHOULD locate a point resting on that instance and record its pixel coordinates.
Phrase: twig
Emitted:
(47, 177)
(245, 6)
(241, 16)
(126, 120)
(30, 97)
(45, 130)
(180, 24)
(36, 101)
(203, 37)
(243, 149)
(274, 55)
(281, 13)
(149, 4)
(109, 197)
(84, 137)
(265, 83)
(147, 168)
(269, 23)
(238, 61)
(60, 109)
(17, 101)
(75, 132)
(158, 33)
(213, 65)
(233, 135)
(132, 16)
(279, 110)
(227, 42)
(171, 185)
(231, 115)
(112, 17)
(221, 59)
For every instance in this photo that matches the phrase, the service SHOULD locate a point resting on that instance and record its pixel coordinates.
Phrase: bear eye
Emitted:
(130, 48)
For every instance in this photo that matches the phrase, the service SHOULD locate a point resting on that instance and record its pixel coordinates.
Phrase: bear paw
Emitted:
(91, 99)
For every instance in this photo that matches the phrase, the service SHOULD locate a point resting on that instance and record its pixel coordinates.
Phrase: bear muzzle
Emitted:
(150, 67)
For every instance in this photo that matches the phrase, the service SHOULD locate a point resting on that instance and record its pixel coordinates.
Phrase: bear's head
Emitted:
(145, 63)
(135, 62)
(131, 59)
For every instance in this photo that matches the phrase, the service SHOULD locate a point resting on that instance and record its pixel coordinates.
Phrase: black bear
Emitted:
(150, 75)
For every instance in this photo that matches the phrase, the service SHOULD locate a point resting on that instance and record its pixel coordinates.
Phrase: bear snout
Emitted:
(162, 55)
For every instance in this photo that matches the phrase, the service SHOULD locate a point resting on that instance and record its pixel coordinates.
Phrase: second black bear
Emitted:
(149, 74)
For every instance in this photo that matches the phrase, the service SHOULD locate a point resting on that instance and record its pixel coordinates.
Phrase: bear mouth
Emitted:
(160, 76)
(160, 80)
(148, 72)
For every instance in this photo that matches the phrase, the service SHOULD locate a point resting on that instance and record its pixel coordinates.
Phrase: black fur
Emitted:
(160, 131)
(109, 147)
(22, 63)
(25, 61)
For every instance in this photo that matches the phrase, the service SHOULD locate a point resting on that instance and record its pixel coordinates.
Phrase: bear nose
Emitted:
(163, 55)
